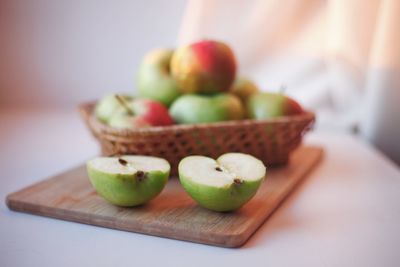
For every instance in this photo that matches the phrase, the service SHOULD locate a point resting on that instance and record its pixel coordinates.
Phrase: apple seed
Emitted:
(122, 162)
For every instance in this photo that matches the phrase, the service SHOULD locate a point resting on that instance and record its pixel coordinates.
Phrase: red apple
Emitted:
(204, 67)
(152, 111)
(140, 112)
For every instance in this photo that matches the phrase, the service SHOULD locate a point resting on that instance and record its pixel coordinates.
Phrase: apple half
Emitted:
(224, 184)
(128, 180)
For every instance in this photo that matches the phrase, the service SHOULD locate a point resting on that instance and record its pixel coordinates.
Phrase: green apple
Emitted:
(106, 107)
(154, 79)
(128, 180)
(224, 184)
(203, 108)
(243, 88)
(204, 67)
(271, 105)
(140, 112)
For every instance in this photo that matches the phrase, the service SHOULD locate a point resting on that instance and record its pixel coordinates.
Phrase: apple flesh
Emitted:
(271, 105)
(128, 180)
(141, 113)
(224, 184)
(108, 105)
(243, 88)
(203, 109)
(154, 79)
(204, 67)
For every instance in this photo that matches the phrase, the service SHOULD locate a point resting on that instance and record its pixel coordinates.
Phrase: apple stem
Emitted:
(140, 175)
(282, 89)
(124, 104)
(237, 181)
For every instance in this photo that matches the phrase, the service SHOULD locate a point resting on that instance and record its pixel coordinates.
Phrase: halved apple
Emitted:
(128, 180)
(224, 184)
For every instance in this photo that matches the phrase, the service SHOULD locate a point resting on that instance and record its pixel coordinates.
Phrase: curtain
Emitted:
(339, 58)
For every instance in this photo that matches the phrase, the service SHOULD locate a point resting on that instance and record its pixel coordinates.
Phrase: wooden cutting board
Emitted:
(70, 196)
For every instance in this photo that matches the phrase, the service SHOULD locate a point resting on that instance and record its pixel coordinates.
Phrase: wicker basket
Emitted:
(270, 140)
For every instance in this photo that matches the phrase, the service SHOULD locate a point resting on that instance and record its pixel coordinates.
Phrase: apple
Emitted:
(224, 184)
(270, 105)
(154, 79)
(243, 88)
(107, 105)
(204, 67)
(128, 180)
(140, 112)
(128, 122)
(202, 108)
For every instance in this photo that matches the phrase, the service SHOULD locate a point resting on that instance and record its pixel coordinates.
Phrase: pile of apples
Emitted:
(196, 83)
(193, 84)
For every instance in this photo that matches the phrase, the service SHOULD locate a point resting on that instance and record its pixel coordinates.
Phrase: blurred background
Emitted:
(339, 58)
(60, 53)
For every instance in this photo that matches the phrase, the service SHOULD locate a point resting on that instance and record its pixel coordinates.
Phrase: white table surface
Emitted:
(346, 213)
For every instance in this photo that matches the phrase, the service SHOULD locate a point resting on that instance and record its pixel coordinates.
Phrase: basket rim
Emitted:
(86, 110)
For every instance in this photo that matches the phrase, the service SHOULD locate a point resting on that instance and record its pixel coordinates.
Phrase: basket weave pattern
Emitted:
(270, 140)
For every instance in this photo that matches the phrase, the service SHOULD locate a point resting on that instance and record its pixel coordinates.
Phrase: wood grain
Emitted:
(173, 214)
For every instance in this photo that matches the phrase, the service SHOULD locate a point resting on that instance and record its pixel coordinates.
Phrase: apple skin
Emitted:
(154, 79)
(125, 189)
(128, 122)
(233, 179)
(147, 112)
(271, 105)
(152, 111)
(108, 105)
(243, 88)
(204, 67)
(232, 198)
(204, 109)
